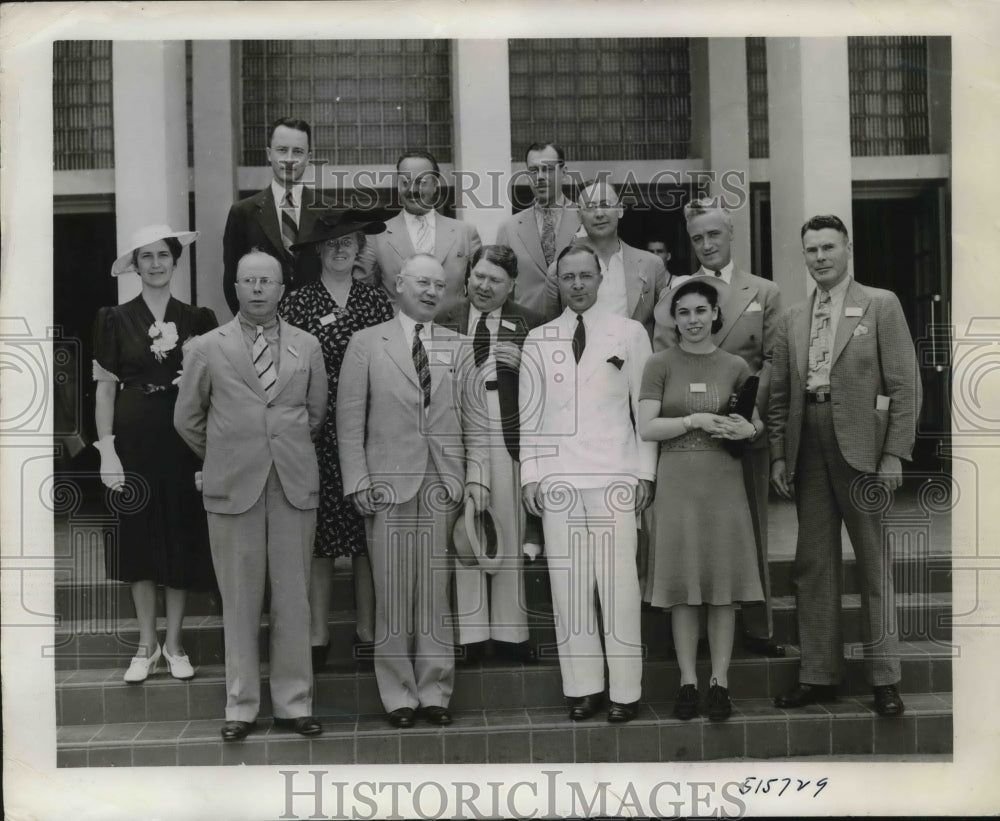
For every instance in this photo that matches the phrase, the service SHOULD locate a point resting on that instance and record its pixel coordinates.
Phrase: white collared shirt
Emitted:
(726, 271)
(278, 192)
(412, 222)
(493, 326)
(409, 325)
(613, 293)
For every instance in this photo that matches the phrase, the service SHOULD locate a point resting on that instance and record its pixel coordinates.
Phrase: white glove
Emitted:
(112, 472)
(531, 551)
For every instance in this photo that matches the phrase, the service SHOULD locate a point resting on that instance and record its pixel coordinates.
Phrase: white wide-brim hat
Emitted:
(478, 538)
(661, 311)
(146, 236)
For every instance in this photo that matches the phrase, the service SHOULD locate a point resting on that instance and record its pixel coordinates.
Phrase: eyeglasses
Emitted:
(264, 282)
(343, 242)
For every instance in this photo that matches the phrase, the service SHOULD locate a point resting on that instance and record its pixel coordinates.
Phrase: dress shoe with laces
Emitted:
(435, 715)
(237, 730)
(401, 718)
(686, 702)
(719, 705)
(303, 725)
(619, 713)
(763, 646)
(142, 667)
(888, 701)
(586, 707)
(179, 665)
(805, 694)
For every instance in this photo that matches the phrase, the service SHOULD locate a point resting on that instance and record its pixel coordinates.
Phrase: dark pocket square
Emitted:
(617, 362)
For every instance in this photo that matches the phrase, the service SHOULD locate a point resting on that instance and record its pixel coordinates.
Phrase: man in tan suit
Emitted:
(844, 402)
(539, 233)
(419, 228)
(251, 397)
(411, 450)
(749, 323)
(631, 280)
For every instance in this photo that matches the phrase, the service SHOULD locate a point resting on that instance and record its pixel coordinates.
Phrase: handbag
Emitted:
(742, 402)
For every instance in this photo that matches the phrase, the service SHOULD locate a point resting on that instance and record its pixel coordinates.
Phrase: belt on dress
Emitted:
(818, 398)
(147, 388)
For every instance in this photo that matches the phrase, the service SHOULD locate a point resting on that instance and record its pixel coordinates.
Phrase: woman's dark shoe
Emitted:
(319, 654)
(720, 707)
(686, 702)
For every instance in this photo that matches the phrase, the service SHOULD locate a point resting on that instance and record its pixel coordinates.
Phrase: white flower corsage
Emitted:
(164, 336)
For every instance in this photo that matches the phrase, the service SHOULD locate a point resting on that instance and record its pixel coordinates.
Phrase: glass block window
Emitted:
(602, 99)
(889, 106)
(757, 97)
(83, 129)
(366, 100)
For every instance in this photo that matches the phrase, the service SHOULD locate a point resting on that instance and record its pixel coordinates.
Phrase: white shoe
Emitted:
(180, 666)
(141, 667)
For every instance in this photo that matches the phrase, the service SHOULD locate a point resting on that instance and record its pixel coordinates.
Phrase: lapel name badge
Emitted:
(326, 320)
(852, 310)
(510, 326)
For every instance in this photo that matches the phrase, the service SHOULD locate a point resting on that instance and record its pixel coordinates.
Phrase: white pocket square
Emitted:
(861, 330)
(444, 357)
(754, 307)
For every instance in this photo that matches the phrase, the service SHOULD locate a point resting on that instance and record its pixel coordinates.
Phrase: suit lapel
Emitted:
(527, 232)
(445, 234)
(398, 350)
(288, 359)
(599, 340)
(741, 293)
(854, 298)
(398, 237)
(308, 213)
(235, 349)
(267, 217)
(802, 325)
(636, 278)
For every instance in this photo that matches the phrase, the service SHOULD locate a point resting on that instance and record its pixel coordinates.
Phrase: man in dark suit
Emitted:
(659, 248)
(749, 313)
(251, 398)
(844, 403)
(273, 219)
(491, 604)
(631, 280)
(539, 233)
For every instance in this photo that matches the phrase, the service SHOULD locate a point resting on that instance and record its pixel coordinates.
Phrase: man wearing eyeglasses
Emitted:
(252, 395)
(421, 229)
(585, 472)
(540, 232)
(274, 219)
(632, 280)
(414, 444)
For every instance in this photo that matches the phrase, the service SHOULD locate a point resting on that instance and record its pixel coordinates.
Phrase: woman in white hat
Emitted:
(162, 536)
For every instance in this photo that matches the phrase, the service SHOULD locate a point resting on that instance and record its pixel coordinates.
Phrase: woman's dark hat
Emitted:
(333, 224)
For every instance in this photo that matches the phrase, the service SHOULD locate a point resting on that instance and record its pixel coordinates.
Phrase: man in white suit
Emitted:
(251, 397)
(587, 474)
(411, 451)
(420, 229)
(539, 233)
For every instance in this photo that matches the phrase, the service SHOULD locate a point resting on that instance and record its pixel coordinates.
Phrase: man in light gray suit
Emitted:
(252, 395)
(844, 402)
(539, 233)
(412, 448)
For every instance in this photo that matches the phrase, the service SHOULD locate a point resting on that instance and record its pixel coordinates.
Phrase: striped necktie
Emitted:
(425, 242)
(548, 235)
(263, 363)
(289, 227)
(421, 364)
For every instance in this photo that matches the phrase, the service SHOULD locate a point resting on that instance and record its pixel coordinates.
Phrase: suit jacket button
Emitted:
(274, 436)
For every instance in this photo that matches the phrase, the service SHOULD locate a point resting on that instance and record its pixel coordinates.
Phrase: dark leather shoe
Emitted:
(521, 652)
(888, 701)
(237, 730)
(804, 694)
(434, 715)
(586, 707)
(319, 654)
(686, 702)
(401, 718)
(471, 654)
(763, 647)
(303, 725)
(719, 705)
(619, 713)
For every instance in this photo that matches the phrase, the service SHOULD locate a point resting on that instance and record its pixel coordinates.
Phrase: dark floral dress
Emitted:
(162, 532)
(340, 530)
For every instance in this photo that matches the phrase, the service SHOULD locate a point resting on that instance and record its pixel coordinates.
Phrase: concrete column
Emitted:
(213, 109)
(151, 170)
(810, 146)
(729, 138)
(480, 100)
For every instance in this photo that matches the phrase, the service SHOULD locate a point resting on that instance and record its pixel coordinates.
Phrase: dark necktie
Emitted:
(481, 341)
(420, 363)
(579, 338)
(289, 227)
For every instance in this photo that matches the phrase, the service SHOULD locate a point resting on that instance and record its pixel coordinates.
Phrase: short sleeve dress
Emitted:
(163, 533)
(703, 549)
(340, 530)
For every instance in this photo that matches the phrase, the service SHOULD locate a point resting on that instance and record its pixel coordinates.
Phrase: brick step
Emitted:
(757, 730)
(113, 600)
(95, 643)
(99, 695)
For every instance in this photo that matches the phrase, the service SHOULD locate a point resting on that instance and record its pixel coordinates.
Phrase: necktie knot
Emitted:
(824, 296)
(418, 327)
